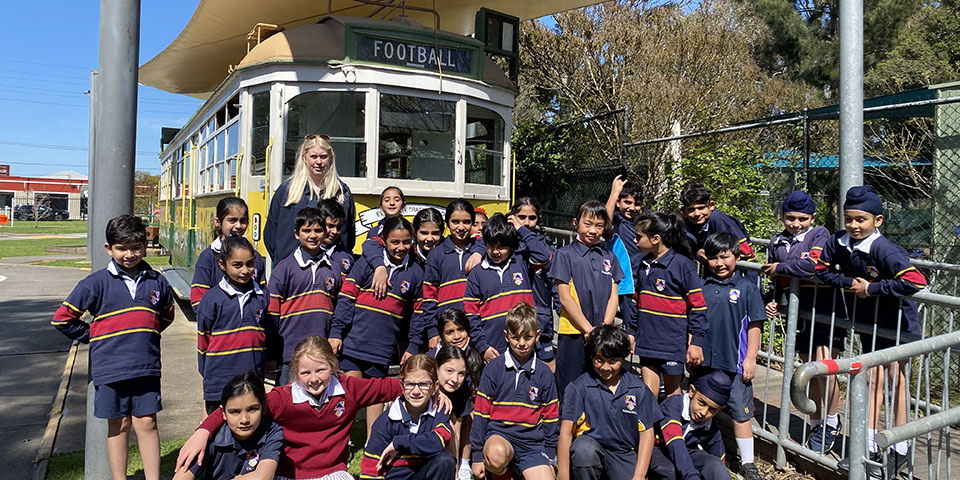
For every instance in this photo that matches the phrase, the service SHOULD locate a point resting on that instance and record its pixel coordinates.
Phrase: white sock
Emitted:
(833, 420)
(871, 444)
(902, 447)
(814, 422)
(746, 449)
(465, 463)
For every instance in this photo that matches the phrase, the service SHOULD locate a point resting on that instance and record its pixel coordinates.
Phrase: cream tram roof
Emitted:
(215, 37)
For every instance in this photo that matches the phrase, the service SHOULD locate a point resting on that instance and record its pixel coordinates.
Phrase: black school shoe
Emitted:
(748, 471)
(896, 462)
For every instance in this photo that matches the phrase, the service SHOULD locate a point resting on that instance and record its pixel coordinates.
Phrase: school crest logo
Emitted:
(404, 286)
(607, 265)
(346, 264)
(329, 283)
(517, 278)
(872, 271)
(253, 458)
(257, 313)
(661, 284)
(154, 297)
(631, 402)
(805, 255)
(338, 409)
(734, 295)
(534, 391)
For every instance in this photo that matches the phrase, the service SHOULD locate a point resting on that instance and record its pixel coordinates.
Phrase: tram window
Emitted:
(484, 159)
(233, 139)
(416, 138)
(337, 114)
(260, 136)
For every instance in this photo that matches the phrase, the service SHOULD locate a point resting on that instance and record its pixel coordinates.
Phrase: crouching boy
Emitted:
(608, 415)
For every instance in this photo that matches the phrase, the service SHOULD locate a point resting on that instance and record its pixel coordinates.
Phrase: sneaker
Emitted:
(748, 471)
(896, 462)
(875, 471)
(823, 436)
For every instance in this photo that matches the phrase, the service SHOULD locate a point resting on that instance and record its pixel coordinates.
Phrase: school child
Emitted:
(412, 439)
(516, 409)
(794, 253)
(315, 411)
(445, 273)
(480, 219)
(671, 315)
(231, 220)
(459, 374)
(501, 281)
(876, 274)
(608, 415)
(332, 214)
(392, 203)
(234, 324)
(249, 445)
(624, 205)
(702, 218)
(736, 320)
(130, 304)
(369, 329)
(586, 275)
(689, 445)
(527, 212)
(428, 226)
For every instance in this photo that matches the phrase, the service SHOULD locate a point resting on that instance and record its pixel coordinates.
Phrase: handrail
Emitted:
(236, 175)
(892, 436)
(949, 267)
(809, 370)
(266, 168)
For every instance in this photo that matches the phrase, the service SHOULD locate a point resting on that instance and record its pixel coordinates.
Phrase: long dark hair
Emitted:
(460, 204)
(224, 207)
(242, 384)
(669, 227)
(231, 245)
(471, 358)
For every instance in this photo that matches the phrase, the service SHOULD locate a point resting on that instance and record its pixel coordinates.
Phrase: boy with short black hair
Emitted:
(304, 286)
(334, 218)
(502, 280)
(731, 344)
(702, 218)
(130, 304)
(875, 274)
(515, 413)
(623, 206)
(608, 416)
(689, 444)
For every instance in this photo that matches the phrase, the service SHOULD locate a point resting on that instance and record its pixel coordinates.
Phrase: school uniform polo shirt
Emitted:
(624, 247)
(733, 304)
(677, 434)
(886, 266)
(227, 457)
(207, 273)
(721, 222)
(589, 270)
(615, 420)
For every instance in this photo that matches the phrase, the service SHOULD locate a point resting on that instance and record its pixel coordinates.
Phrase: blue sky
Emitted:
(45, 68)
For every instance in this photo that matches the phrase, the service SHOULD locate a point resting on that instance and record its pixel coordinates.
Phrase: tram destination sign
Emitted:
(413, 54)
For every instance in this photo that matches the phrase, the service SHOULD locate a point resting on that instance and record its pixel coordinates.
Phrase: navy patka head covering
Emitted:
(863, 198)
(799, 202)
(715, 385)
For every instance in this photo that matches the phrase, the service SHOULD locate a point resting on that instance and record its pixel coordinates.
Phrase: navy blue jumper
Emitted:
(279, 227)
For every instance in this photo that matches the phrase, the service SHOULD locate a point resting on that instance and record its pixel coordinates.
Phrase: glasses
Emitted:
(314, 136)
(409, 386)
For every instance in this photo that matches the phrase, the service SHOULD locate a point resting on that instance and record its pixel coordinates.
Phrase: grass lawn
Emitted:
(70, 466)
(26, 226)
(155, 262)
(29, 248)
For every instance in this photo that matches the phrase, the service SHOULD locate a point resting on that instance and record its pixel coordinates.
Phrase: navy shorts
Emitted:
(665, 367)
(369, 369)
(526, 459)
(138, 397)
(740, 407)
(545, 350)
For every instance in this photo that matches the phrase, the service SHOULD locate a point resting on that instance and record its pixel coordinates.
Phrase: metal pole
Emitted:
(858, 425)
(114, 156)
(789, 347)
(806, 149)
(91, 165)
(851, 96)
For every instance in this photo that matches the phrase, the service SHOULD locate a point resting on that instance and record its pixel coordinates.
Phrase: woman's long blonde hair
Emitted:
(301, 178)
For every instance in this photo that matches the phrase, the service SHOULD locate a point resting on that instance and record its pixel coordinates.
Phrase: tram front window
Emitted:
(484, 146)
(337, 114)
(416, 138)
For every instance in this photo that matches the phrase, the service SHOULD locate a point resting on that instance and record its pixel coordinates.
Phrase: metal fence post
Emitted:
(851, 96)
(858, 425)
(789, 349)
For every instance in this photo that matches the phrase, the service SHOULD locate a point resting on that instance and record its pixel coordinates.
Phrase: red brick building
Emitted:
(65, 190)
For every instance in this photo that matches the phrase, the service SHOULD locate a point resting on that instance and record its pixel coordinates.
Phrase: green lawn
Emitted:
(29, 248)
(50, 228)
(155, 262)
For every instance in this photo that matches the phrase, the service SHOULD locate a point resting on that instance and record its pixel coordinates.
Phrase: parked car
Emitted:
(44, 212)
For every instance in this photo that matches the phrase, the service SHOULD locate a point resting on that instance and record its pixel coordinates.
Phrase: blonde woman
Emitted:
(314, 179)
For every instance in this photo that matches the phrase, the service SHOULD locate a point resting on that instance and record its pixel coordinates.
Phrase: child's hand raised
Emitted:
(617, 185)
(514, 221)
(860, 287)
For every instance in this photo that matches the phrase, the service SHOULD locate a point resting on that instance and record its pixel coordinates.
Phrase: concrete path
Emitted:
(31, 358)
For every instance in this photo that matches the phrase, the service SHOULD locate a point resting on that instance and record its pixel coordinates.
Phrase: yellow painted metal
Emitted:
(236, 175)
(266, 168)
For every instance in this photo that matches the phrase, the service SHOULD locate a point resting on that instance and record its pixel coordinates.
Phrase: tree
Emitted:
(145, 195)
(804, 41)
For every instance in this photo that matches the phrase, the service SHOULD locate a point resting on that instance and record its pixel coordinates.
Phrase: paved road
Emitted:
(32, 355)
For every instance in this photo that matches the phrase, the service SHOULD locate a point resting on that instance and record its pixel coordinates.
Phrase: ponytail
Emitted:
(670, 228)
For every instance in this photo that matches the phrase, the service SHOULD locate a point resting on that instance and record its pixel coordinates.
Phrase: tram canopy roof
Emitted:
(197, 61)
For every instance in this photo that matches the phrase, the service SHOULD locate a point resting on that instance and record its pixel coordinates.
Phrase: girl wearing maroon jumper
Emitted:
(231, 221)
(445, 274)
(316, 412)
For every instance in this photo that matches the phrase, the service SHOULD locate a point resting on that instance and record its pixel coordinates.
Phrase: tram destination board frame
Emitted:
(414, 49)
